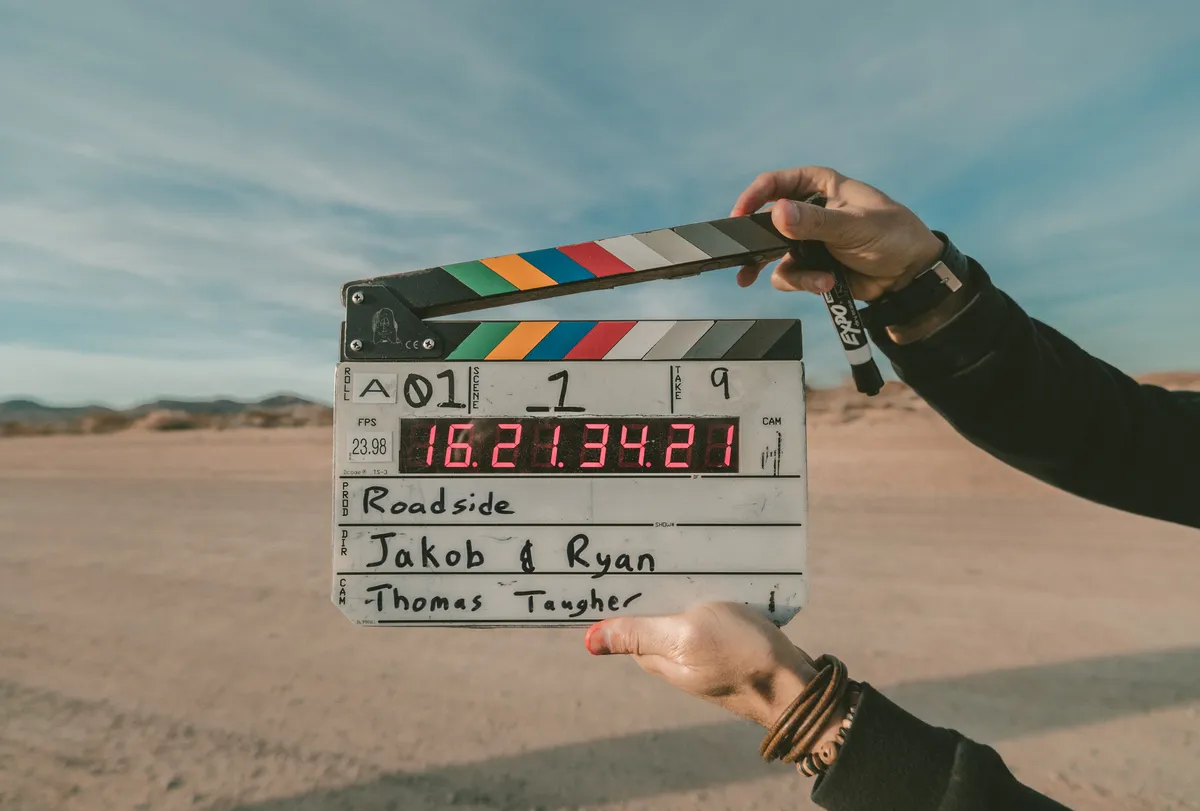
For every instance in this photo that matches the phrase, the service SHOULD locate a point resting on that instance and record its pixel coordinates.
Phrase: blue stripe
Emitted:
(557, 265)
(560, 340)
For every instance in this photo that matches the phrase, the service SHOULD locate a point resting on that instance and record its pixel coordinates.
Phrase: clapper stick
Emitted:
(388, 323)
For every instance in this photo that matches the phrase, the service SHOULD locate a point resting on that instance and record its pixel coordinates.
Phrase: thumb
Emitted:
(643, 636)
(796, 220)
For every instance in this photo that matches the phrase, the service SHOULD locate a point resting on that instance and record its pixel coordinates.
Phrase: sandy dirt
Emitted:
(167, 642)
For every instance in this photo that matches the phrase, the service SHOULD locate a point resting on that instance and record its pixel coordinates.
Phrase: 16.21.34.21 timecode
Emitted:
(637, 446)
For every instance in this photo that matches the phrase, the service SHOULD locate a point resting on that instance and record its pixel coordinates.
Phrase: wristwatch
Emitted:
(948, 274)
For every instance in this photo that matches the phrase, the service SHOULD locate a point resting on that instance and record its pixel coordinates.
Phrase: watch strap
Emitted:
(949, 273)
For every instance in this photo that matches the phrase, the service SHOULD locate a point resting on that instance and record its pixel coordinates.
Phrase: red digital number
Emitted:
(515, 427)
(723, 447)
(685, 446)
(421, 442)
(601, 446)
(453, 445)
(639, 446)
(539, 445)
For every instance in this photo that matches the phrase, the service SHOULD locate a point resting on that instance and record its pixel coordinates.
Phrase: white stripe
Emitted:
(639, 340)
(638, 255)
(666, 241)
(860, 355)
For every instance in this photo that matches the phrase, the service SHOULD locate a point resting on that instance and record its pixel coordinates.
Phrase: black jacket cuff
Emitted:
(891, 759)
(961, 343)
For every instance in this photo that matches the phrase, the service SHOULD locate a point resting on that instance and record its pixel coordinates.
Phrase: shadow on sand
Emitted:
(989, 707)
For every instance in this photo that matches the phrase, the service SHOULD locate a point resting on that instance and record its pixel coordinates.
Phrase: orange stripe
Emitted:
(519, 273)
(517, 343)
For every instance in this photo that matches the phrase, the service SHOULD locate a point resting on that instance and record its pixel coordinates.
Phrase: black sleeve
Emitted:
(1033, 399)
(891, 759)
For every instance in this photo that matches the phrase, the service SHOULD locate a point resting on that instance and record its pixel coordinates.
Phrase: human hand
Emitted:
(881, 242)
(725, 653)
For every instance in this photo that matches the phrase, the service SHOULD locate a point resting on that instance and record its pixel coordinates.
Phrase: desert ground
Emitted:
(167, 641)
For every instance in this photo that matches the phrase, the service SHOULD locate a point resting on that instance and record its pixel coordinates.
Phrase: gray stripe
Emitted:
(678, 340)
(746, 232)
(717, 341)
(710, 240)
(675, 248)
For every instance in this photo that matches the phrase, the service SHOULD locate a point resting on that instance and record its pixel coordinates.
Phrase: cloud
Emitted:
(194, 182)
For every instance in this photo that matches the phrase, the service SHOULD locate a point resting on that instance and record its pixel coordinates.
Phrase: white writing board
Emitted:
(500, 493)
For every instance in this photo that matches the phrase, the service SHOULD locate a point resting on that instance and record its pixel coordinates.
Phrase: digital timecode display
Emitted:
(637, 446)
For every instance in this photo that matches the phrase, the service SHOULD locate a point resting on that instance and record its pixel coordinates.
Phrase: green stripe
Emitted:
(480, 278)
(482, 340)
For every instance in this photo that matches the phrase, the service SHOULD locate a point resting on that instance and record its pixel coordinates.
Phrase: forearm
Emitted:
(891, 759)
(1030, 397)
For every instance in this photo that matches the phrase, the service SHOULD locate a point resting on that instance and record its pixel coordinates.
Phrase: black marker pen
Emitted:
(812, 254)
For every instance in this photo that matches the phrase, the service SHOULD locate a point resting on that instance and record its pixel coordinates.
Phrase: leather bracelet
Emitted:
(798, 728)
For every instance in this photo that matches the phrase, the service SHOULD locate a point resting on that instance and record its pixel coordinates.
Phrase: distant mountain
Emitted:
(34, 411)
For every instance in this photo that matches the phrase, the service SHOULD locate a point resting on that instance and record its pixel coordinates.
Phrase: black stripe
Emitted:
(761, 339)
(452, 333)
(763, 218)
(789, 346)
(428, 289)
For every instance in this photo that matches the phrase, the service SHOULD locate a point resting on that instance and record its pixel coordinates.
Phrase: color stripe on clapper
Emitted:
(524, 337)
(678, 340)
(767, 339)
(435, 290)
(600, 340)
(559, 342)
(639, 340)
(482, 340)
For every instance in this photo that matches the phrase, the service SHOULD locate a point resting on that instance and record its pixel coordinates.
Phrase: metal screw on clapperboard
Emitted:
(709, 388)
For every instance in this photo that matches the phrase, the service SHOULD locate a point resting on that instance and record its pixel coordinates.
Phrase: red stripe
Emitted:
(599, 261)
(599, 340)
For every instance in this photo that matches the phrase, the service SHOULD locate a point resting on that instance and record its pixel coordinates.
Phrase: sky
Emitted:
(185, 186)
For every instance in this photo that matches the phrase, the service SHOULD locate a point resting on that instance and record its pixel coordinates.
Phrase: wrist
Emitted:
(923, 258)
(785, 684)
